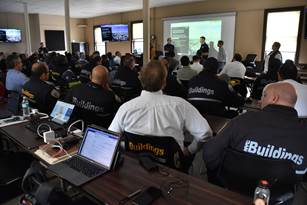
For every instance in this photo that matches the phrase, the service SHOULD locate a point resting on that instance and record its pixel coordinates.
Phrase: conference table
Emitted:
(130, 176)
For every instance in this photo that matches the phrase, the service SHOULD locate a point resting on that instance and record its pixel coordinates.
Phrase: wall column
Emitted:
(67, 26)
(27, 30)
(146, 31)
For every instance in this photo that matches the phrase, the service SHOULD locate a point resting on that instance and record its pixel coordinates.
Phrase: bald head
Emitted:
(279, 94)
(40, 70)
(100, 75)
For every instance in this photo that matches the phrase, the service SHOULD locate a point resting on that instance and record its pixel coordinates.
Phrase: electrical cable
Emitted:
(38, 129)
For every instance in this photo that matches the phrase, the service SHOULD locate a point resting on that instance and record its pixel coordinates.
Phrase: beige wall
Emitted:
(53, 22)
(249, 21)
(34, 30)
(12, 20)
(38, 24)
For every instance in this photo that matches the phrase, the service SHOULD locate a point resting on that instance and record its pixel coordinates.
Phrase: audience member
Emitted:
(275, 53)
(221, 56)
(117, 58)
(95, 60)
(15, 79)
(169, 48)
(185, 73)
(235, 69)
(196, 64)
(156, 114)
(274, 132)
(266, 78)
(288, 73)
(41, 95)
(42, 50)
(210, 94)
(128, 75)
(95, 102)
(173, 86)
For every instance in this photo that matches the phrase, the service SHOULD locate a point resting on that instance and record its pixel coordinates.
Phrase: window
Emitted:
(283, 26)
(137, 38)
(99, 45)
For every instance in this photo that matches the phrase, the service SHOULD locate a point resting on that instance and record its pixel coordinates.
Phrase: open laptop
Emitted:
(96, 155)
(60, 115)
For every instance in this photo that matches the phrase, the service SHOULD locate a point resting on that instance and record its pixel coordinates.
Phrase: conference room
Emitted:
(153, 102)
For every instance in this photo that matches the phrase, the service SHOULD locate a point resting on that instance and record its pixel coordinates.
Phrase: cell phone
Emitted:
(148, 163)
(148, 196)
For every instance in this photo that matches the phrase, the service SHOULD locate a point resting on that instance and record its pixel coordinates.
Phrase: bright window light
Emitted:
(137, 38)
(283, 28)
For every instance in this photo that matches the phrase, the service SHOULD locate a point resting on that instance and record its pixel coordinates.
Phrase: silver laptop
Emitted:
(61, 112)
(96, 156)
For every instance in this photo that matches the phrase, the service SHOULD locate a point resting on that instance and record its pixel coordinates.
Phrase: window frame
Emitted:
(131, 33)
(300, 28)
(94, 42)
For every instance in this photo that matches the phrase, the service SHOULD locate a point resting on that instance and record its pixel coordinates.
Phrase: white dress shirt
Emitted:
(234, 69)
(155, 114)
(197, 67)
(301, 103)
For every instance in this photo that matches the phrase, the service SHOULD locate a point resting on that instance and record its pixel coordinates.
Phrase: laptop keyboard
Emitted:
(83, 166)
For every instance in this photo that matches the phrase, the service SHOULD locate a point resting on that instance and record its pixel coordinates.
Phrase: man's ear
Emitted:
(275, 99)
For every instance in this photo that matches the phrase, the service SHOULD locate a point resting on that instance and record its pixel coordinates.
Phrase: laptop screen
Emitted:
(61, 112)
(99, 146)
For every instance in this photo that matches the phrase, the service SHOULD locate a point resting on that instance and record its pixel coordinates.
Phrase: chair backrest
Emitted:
(239, 86)
(250, 58)
(164, 150)
(242, 172)
(300, 197)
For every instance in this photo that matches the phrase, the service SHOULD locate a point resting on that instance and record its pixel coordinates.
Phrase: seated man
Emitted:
(41, 95)
(128, 75)
(235, 69)
(196, 64)
(210, 94)
(15, 79)
(185, 73)
(288, 73)
(156, 114)
(274, 132)
(95, 102)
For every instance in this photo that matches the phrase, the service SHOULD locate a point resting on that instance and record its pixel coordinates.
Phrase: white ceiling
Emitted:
(82, 8)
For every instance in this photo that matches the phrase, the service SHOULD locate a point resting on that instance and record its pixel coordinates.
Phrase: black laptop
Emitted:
(96, 155)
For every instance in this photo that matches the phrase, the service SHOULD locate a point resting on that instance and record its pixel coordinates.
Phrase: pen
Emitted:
(134, 193)
(126, 199)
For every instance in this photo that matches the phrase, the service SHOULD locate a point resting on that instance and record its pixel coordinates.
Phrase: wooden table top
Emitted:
(116, 185)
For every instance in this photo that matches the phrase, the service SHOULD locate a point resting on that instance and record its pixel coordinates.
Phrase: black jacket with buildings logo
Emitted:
(210, 94)
(275, 132)
(93, 103)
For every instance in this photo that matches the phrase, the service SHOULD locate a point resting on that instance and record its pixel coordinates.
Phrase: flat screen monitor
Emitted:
(61, 112)
(115, 32)
(10, 35)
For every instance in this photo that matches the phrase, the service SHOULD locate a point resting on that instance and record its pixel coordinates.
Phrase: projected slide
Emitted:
(186, 35)
(186, 30)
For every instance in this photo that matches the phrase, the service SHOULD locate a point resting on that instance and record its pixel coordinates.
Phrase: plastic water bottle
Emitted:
(25, 107)
(262, 193)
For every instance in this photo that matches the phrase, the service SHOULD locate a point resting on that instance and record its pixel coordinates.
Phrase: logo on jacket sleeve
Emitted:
(271, 151)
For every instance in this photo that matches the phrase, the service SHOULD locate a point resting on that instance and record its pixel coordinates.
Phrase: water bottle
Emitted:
(25, 107)
(262, 193)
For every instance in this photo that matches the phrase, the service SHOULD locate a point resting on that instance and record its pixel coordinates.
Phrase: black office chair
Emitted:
(13, 167)
(242, 172)
(124, 92)
(38, 189)
(164, 150)
(239, 86)
(250, 60)
(300, 197)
